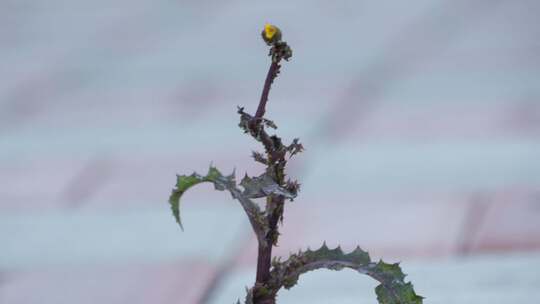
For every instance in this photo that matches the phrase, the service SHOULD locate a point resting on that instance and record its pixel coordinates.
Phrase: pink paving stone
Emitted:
(463, 120)
(182, 282)
(50, 183)
(512, 221)
(413, 227)
(49, 177)
(36, 184)
(148, 181)
(447, 121)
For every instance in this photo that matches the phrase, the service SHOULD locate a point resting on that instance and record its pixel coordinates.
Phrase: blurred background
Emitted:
(420, 119)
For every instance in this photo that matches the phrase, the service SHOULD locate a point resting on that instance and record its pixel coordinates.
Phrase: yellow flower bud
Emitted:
(271, 33)
(269, 30)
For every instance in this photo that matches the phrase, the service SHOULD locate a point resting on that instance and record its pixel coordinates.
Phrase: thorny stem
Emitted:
(274, 203)
(272, 74)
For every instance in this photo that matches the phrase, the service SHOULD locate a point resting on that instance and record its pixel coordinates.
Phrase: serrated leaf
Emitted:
(392, 290)
(221, 182)
(293, 186)
(269, 123)
(262, 186)
(249, 296)
(397, 294)
(389, 270)
(245, 119)
(183, 183)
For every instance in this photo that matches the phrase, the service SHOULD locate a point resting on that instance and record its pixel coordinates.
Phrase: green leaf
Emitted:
(221, 182)
(392, 290)
(397, 294)
(183, 183)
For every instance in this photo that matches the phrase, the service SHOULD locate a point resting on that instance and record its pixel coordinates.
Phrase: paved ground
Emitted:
(421, 122)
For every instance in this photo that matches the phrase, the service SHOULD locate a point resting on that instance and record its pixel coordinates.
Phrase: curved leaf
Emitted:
(392, 290)
(221, 182)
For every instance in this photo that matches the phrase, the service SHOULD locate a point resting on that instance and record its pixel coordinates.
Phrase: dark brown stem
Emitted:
(263, 263)
(275, 168)
(274, 204)
(264, 256)
(272, 74)
(275, 211)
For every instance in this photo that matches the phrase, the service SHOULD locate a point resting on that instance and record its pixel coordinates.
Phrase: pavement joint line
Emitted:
(227, 268)
(87, 182)
(23, 97)
(367, 87)
(478, 207)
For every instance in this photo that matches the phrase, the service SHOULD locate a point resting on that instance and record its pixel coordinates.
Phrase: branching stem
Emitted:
(273, 274)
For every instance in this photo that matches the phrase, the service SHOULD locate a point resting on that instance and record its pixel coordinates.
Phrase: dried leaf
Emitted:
(259, 157)
(262, 186)
(293, 186)
(295, 147)
(245, 120)
(269, 123)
